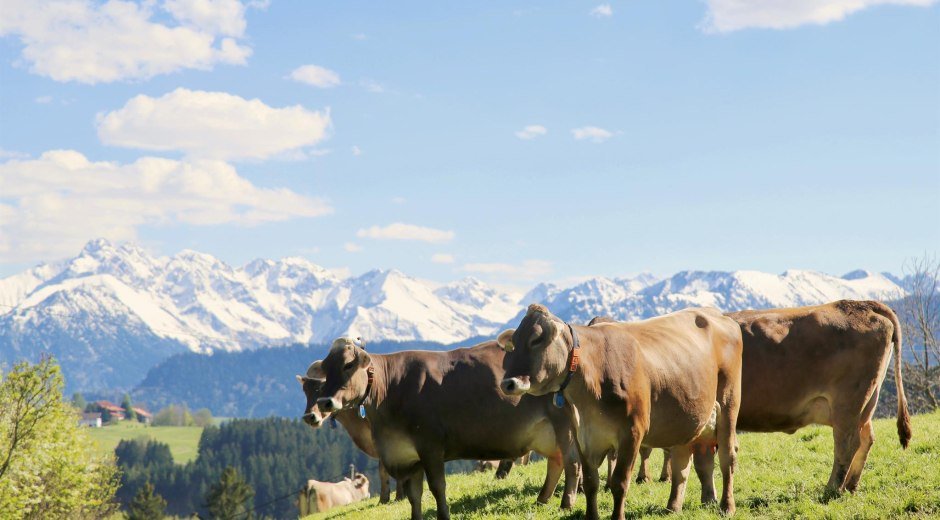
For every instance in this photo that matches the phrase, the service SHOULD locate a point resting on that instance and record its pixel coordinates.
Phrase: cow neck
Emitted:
(375, 389)
(359, 430)
(585, 378)
(574, 357)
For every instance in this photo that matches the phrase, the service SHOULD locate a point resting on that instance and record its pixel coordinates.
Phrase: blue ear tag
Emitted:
(559, 400)
(362, 411)
(333, 422)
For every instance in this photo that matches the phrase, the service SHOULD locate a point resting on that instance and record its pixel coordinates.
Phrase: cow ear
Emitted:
(315, 371)
(300, 379)
(364, 358)
(504, 340)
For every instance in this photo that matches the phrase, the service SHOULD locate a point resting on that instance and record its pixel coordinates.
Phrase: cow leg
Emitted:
(679, 458)
(502, 471)
(642, 474)
(703, 458)
(552, 474)
(400, 492)
(572, 477)
(434, 469)
(847, 442)
(867, 438)
(414, 487)
(620, 484)
(383, 483)
(589, 467)
(665, 474)
(727, 456)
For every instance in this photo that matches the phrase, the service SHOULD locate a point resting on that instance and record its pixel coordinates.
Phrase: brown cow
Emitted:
(319, 496)
(426, 408)
(672, 381)
(822, 364)
(357, 428)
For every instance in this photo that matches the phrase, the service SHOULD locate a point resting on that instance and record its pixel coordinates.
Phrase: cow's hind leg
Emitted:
(866, 440)
(642, 474)
(704, 461)
(679, 458)
(620, 480)
(666, 473)
(552, 475)
(400, 492)
(589, 465)
(727, 455)
(502, 471)
(572, 478)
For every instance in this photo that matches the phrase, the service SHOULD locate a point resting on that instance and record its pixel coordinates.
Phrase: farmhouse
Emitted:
(92, 420)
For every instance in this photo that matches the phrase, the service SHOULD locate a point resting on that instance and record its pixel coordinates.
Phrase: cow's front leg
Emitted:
(589, 467)
(384, 494)
(552, 474)
(627, 454)
(400, 492)
(505, 466)
(434, 469)
(414, 486)
(679, 457)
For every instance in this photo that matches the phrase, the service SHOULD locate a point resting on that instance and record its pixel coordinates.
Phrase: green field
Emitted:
(779, 476)
(183, 440)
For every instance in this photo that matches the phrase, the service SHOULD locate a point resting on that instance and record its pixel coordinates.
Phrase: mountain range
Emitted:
(114, 311)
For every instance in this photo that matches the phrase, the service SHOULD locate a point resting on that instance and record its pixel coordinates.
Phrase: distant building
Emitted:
(143, 415)
(116, 412)
(92, 420)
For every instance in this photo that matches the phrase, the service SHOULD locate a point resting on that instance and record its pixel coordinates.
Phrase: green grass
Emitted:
(779, 476)
(183, 440)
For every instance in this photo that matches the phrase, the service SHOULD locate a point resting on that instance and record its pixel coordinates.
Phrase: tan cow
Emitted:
(426, 408)
(357, 427)
(671, 381)
(317, 497)
(822, 364)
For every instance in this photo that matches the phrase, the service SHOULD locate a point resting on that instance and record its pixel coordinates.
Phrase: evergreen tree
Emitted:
(146, 505)
(78, 401)
(129, 412)
(231, 497)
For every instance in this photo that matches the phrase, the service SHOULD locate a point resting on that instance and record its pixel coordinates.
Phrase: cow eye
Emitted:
(349, 365)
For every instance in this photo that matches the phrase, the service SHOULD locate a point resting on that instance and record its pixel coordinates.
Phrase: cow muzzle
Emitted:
(515, 385)
(313, 419)
(328, 404)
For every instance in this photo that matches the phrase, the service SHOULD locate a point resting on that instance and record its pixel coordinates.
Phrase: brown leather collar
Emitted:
(574, 359)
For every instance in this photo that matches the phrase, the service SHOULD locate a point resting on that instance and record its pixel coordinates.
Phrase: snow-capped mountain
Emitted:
(113, 311)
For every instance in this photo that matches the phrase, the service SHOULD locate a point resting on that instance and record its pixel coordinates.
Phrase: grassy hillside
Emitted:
(779, 476)
(183, 440)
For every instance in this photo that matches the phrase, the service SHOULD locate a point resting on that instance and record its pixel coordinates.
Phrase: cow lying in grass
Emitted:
(317, 497)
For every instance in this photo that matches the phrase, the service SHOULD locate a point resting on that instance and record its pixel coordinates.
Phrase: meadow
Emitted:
(183, 440)
(779, 476)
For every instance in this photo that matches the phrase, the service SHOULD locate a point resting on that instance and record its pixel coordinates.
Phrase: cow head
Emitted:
(536, 353)
(361, 483)
(312, 384)
(346, 380)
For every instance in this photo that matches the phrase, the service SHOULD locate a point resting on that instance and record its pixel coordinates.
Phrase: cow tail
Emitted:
(904, 418)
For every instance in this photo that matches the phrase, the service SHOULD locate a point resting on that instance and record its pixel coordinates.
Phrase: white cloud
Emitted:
(602, 11)
(443, 258)
(399, 200)
(12, 154)
(356, 150)
(91, 42)
(52, 204)
(360, 36)
(592, 133)
(212, 125)
(531, 132)
(732, 15)
(400, 231)
(527, 270)
(372, 86)
(44, 100)
(351, 247)
(315, 75)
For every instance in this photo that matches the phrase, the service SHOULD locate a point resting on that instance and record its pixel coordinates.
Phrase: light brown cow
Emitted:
(319, 496)
(426, 408)
(672, 381)
(822, 364)
(357, 427)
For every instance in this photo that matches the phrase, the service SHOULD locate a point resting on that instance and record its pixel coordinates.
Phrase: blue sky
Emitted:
(513, 141)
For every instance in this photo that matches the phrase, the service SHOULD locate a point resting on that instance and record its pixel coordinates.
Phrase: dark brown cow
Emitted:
(672, 381)
(357, 428)
(426, 408)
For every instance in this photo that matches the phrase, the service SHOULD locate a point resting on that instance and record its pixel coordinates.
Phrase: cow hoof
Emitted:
(664, 479)
(642, 479)
(384, 500)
